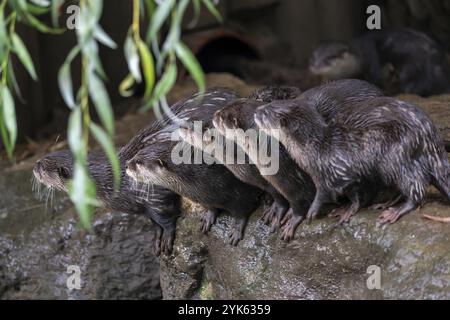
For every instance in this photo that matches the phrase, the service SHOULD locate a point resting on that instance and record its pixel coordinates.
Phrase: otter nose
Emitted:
(130, 165)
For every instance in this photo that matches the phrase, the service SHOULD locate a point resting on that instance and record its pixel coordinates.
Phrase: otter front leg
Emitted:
(238, 230)
(165, 233)
(277, 211)
(320, 198)
(292, 220)
(209, 219)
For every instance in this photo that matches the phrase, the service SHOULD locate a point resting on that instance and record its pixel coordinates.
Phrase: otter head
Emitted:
(199, 134)
(55, 170)
(333, 61)
(271, 93)
(153, 164)
(289, 121)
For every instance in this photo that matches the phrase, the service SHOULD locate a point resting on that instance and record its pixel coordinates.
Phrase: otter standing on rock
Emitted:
(389, 138)
(161, 205)
(381, 57)
(211, 185)
(246, 172)
(335, 101)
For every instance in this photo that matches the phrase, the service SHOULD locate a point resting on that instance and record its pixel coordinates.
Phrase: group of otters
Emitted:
(341, 143)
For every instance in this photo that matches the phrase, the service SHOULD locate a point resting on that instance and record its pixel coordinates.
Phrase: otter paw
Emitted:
(290, 228)
(389, 216)
(208, 220)
(235, 236)
(287, 217)
(269, 215)
(167, 243)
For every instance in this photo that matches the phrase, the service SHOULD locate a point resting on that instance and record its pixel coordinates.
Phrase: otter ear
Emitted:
(63, 173)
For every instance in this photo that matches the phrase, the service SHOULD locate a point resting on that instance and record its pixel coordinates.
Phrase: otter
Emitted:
(335, 101)
(160, 205)
(391, 139)
(401, 60)
(211, 185)
(247, 172)
(206, 182)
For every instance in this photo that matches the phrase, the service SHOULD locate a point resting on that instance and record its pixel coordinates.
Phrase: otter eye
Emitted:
(63, 173)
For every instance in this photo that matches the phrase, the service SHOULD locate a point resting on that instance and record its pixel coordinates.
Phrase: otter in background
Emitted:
(399, 61)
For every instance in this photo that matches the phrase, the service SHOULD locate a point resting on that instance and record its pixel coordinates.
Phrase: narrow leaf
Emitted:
(65, 78)
(82, 192)
(103, 37)
(126, 85)
(9, 115)
(132, 57)
(23, 54)
(108, 146)
(158, 18)
(213, 10)
(191, 64)
(148, 67)
(164, 85)
(102, 103)
(75, 134)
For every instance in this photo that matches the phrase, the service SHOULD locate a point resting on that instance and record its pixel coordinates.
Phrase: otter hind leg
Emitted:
(391, 215)
(353, 209)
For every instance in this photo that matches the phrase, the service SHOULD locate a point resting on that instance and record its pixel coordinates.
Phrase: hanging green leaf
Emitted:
(82, 192)
(12, 81)
(55, 7)
(197, 6)
(148, 68)
(159, 17)
(108, 146)
(125, 87)
(23, 54)
(164, 85)
(212, 8)
(75, 134)
(102, 103)
(103, 37)
(9, 117)
(65, 78)
(191, 64)
(42, 27)
(132, 57)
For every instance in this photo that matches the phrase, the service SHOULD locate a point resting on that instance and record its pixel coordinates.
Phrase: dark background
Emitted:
(279, 32)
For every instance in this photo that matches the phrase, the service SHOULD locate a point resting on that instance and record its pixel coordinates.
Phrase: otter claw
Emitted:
(290, 228)
(389, 216)
(208, 220)
(235, 237)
